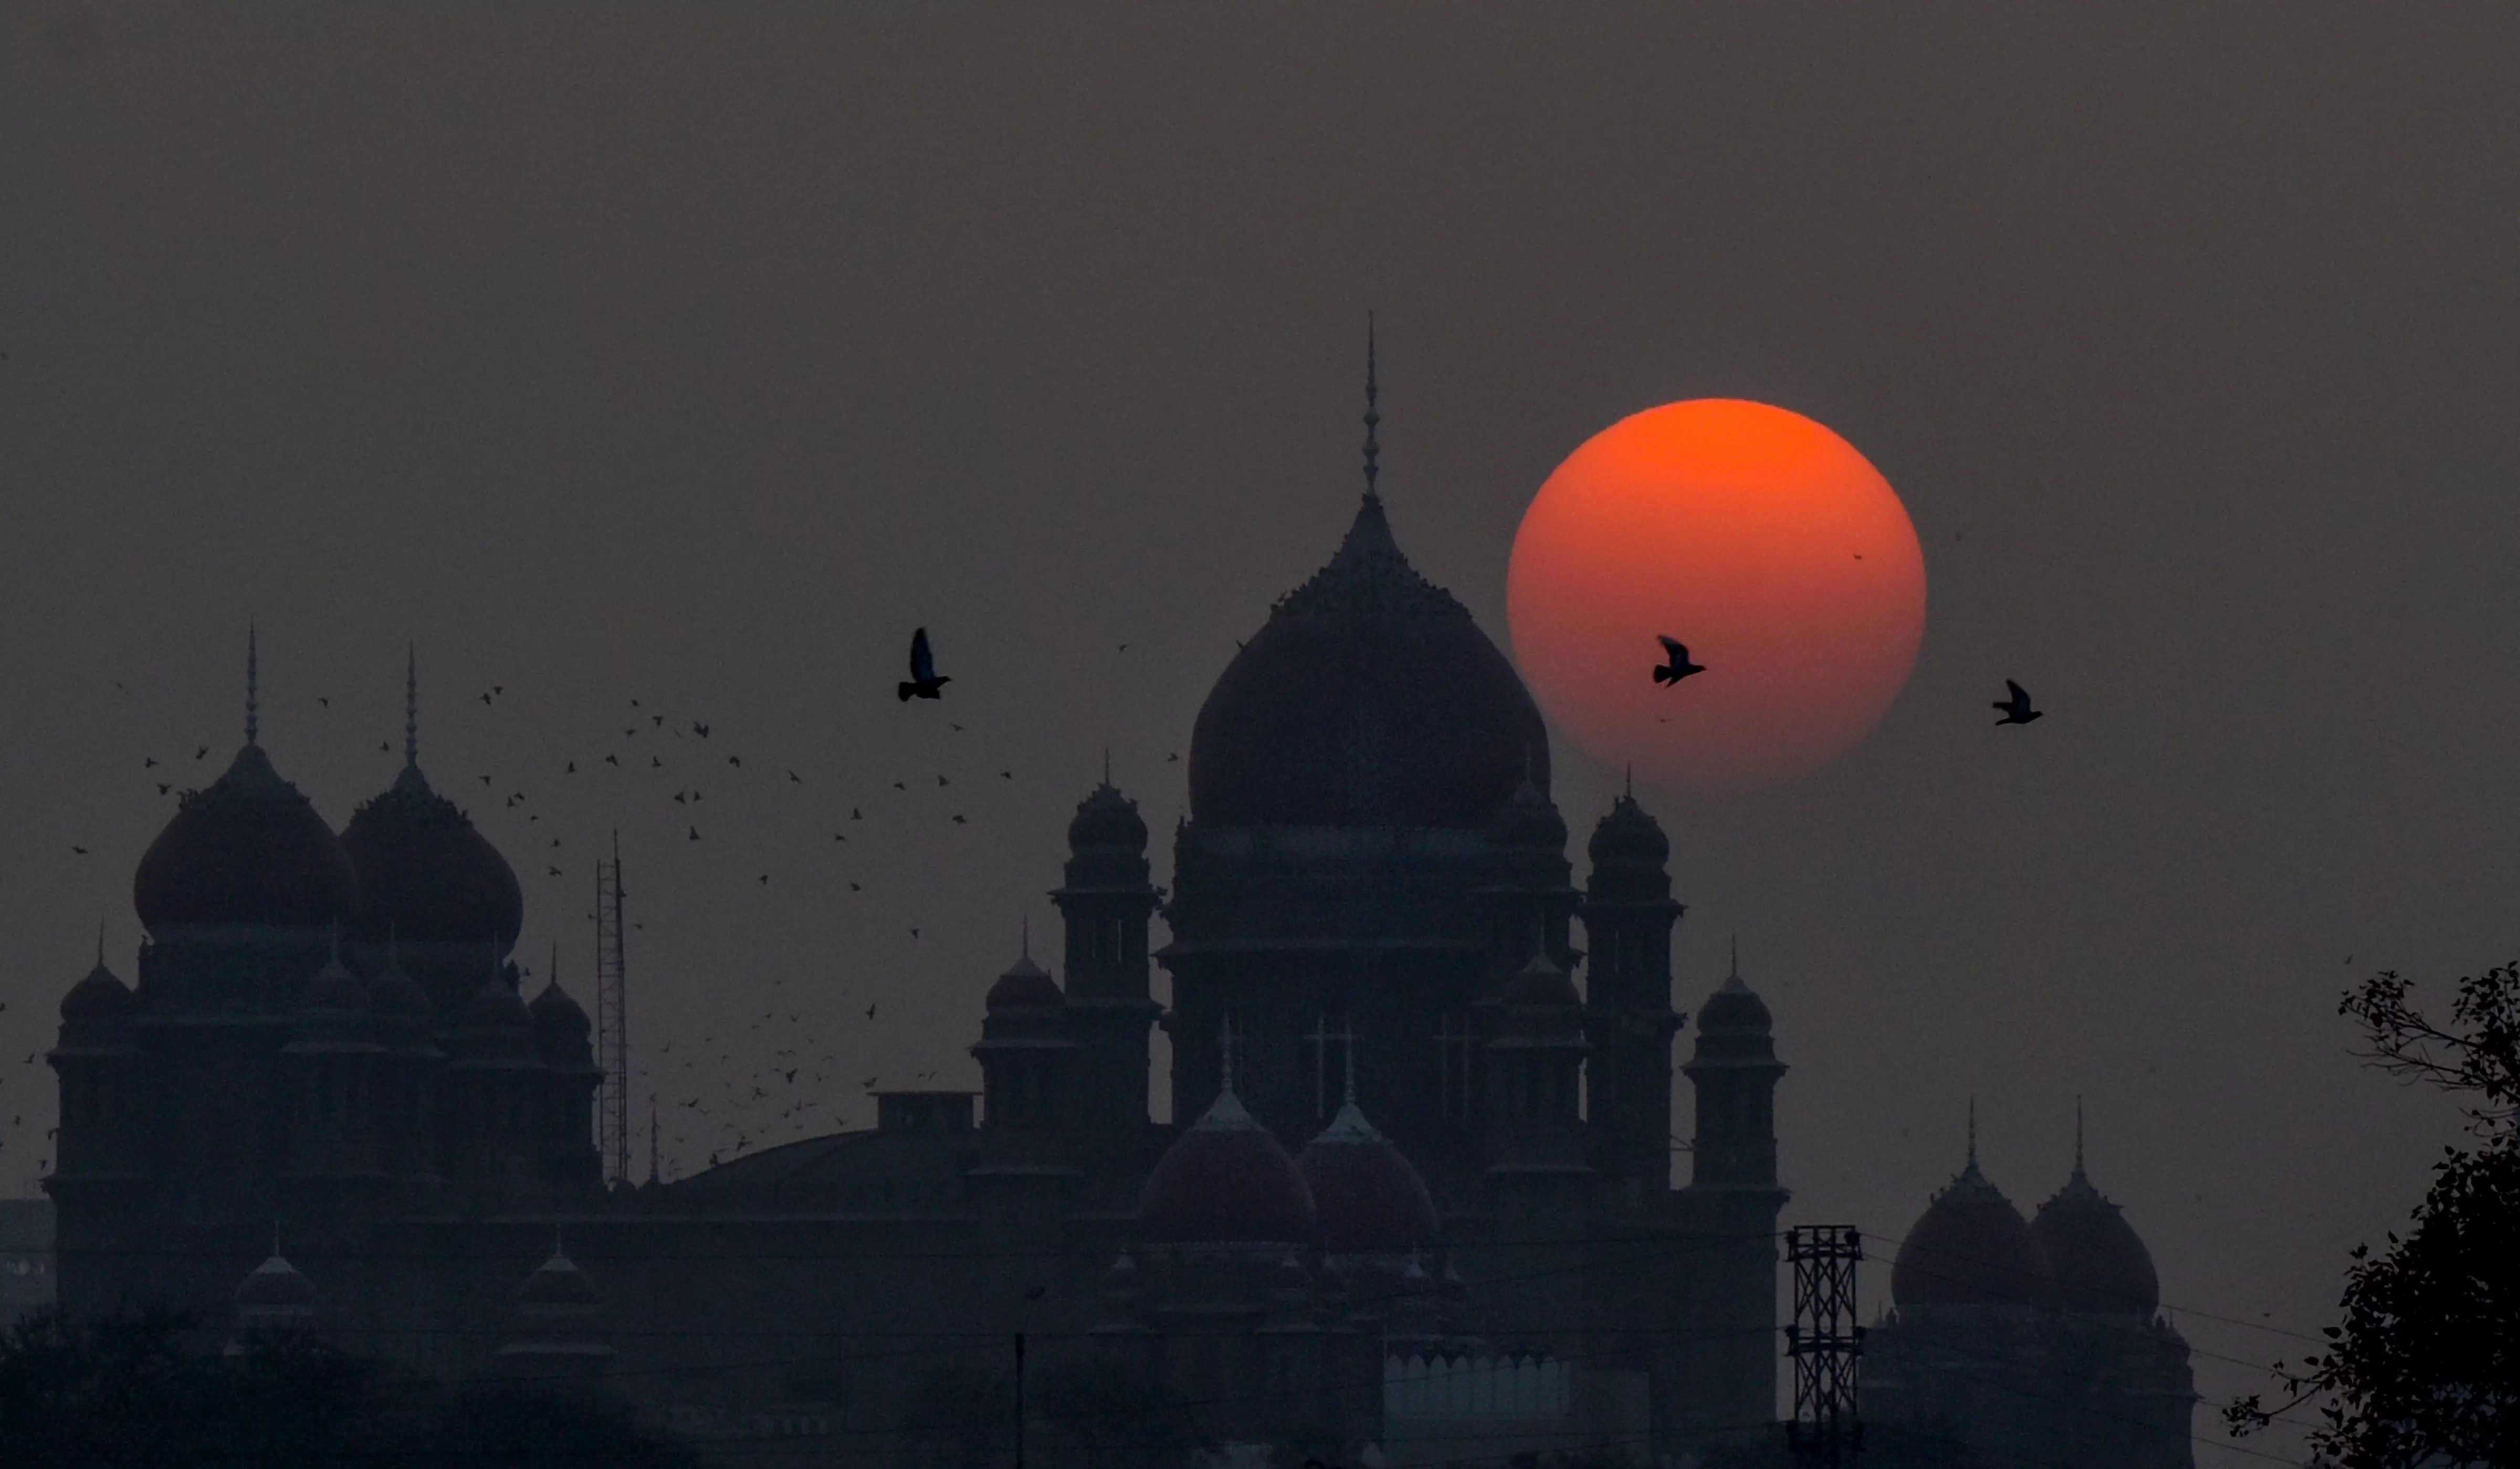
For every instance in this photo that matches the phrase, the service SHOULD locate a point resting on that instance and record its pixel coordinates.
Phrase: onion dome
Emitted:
(1733, 1007)
(1528, 818)
(1025, 985)
(1107, 818)
(98, 997)
(274, 1289)
(426, 874)
(1628, 836)
(249, 848)
(2100, 1264)
(1369, 699)
(1971, 1248)
(1226, 1182)
(560, 1026)
(1541, 982)
(557, 1284)
(1367, 1197)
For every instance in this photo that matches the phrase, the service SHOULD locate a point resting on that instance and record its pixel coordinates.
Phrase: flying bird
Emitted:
(1676, 665)
(2016, 709)
(699, 728)
(925, 681)
(201, 752)
(147, 761)
(696, 833)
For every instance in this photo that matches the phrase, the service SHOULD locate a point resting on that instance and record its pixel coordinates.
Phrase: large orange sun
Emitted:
(1759, 539)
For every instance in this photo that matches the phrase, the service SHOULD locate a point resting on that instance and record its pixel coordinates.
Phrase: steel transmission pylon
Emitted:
(611, 1030)
(1826, 1344)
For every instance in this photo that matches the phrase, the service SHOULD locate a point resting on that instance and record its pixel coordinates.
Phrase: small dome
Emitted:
(1370, 698)
(1122, 1278)
(1628, 836)
(1733, 1007)
(98, 997)
(1025, 984)
(558, 1283)
(560, 1026)
(335, 988)
(1541, 982)
(426, 876)
(275, 1285)
(1971, 1248)
(1224, 1182)
(1367, 1197)
(2100, 1264)
(1107, 818)
(249, 848)
(1528, 818)
(395, 993)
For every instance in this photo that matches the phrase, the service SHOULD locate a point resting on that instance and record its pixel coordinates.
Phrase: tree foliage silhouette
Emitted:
(2425, 1365)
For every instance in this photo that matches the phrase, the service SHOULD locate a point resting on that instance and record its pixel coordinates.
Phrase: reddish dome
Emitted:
(1226, 1182)
(426, 876)
(1369, 699)
(1971, 1248)
(1024, 984)
(2099, 1262)
(249, 848)
(1366, 1195)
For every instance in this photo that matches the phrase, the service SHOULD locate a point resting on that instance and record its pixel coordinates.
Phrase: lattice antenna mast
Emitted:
(1825, 1345)
(612, 1025)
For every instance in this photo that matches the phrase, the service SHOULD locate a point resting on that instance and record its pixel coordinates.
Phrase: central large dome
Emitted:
(1370, 698)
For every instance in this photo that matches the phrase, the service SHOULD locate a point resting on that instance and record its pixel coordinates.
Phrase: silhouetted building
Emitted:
(2035, 1341)
(1415, 1157)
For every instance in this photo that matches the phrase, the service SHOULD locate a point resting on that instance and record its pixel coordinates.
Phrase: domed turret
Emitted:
(1541, 982)
(1971, 1248)
(560, 1026)
(1369, 699)
(1025, 984)
(1628, 836)
(249, 848)
(426, 874)
(1367, 1197)
(1226, 1182)
(101, 996)
(1733, 1008)
(2100, 1264)
(1528, 818)
(275, 1296)
(558, 1283)
(1107, 818)
(334, 990)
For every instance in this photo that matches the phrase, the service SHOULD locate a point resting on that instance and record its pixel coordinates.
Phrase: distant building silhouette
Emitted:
(1439, 1177)
(2037, 1341)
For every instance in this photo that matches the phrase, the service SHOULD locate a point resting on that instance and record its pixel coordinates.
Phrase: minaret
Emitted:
(1024, 1054)
(1627, 916)
(1107, 901)
(1734, 1072)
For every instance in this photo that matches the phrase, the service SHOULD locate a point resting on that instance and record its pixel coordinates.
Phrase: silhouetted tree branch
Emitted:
(2424, 1368)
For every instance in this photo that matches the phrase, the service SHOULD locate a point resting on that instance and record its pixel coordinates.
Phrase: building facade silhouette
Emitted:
(1406, 1134)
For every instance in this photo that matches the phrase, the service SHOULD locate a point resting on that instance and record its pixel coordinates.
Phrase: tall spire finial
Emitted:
(1373, 415)
(1632, 779)
(553, 979)
(252, 693)
(1225, 1043)
(1027, 936)
(1972, 1129)
(100, 964)
(411, 707)
(1347, 1049)
(1736, 956)
(2078, 1135)
(1106, 765)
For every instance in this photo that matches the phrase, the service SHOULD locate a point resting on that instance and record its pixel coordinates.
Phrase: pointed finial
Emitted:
(275, 1238)
(2078, 1135)
(252, 693)
(1347, 1035)
(100, 943)
(1972, 1129)
(1225, 1042)
(1373, 415)
(652, 1135)
(553, 979)
(411, 707)
(1027, 935)
(1106, 765)
(1736, 956)
(1632, 779)
(557, 1251)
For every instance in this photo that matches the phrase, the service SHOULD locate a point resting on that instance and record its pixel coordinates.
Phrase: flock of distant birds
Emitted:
(750, 1109)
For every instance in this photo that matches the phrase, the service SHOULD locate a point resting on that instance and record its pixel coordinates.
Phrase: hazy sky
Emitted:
(693, 354)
